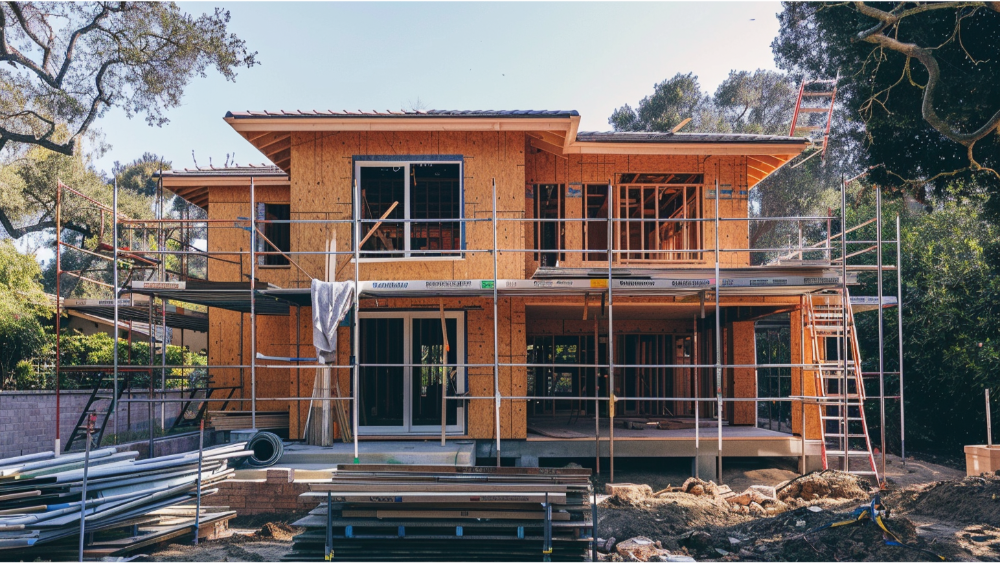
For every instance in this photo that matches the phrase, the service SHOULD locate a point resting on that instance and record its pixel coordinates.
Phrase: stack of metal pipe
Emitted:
(40, 494)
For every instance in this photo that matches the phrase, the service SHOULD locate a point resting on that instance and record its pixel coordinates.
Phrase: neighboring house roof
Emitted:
(666, 137)
(192, 183)
(476, 113)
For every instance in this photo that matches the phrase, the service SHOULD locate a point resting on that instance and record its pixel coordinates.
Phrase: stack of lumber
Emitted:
(241, 420)
(438, 513)
(40, 495)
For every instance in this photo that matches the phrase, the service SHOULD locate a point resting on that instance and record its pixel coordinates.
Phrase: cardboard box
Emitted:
(982, 459)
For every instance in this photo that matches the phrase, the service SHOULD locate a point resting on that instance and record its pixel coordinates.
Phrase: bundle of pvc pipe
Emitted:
(40, 494)
(266, 449)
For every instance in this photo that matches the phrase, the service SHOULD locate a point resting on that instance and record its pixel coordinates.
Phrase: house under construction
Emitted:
(542, 291)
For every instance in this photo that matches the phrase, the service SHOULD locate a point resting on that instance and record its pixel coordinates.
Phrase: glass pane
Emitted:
(428, 348)
(381, 186)
(435, 193)
(381, 400)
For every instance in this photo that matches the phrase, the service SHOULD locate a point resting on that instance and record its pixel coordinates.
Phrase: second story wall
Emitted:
(323, 174)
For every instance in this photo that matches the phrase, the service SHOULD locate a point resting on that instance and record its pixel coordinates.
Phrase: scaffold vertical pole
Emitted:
(356, 324)
(881, 320)
(899, 326)
(718, 336)
(496, 339)
(114, 281)
(845, 303)
(58, 445)
(253, 305)
(611, 341)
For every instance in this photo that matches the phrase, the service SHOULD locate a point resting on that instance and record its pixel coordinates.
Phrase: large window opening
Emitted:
(773, 339)
(277, 236)
(595, 228)
(550, 203)
(410, 209)
(659, 210)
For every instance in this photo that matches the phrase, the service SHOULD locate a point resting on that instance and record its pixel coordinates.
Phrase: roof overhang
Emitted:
(194, 186)
(553, 132)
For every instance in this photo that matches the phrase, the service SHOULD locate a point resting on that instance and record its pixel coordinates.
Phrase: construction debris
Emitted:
(40, 498)
(823, 485)
(387, 512)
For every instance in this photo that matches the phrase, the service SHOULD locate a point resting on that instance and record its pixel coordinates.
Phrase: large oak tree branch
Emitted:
(926, 58)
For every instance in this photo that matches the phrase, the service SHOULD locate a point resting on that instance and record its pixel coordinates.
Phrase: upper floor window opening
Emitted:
(278, 235)
(659, 208)
(421, 203)
(550, 203)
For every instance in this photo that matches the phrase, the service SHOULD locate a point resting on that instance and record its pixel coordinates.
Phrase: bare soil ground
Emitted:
(934, 510)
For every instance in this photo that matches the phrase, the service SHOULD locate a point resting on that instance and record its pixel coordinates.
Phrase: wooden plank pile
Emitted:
(241, 420)
(440, 513)
(40, 497)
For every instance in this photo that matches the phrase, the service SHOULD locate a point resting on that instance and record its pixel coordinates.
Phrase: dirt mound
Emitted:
(665, 517)
(824, 485)
(277, 531)
(791, 537)
(973, 500)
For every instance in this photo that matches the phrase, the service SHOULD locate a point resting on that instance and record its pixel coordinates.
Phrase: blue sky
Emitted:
(591, 57)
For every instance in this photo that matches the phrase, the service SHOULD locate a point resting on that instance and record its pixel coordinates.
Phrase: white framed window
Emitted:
(410, 208)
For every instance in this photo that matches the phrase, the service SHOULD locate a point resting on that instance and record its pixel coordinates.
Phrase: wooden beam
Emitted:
(547, 147)
(273, 145)
(549, 137)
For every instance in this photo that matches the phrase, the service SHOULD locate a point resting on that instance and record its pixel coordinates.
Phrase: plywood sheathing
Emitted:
(322, 186)
(812, 411)
(744, 379)
(227, 204)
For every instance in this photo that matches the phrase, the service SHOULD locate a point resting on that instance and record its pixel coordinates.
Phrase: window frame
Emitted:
(406, 161)
(267, 229)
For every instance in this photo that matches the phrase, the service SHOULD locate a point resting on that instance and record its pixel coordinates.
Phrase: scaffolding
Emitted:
(835, 251)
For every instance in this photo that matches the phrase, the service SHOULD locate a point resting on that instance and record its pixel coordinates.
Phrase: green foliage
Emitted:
(23, 307)
(951, 318)
(98, 349)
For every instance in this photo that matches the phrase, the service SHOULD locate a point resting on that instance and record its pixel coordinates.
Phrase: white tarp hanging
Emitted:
(330, 303)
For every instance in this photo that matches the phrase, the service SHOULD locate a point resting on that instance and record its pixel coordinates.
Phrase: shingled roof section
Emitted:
(653, 137)
(485, 113)
(240, 171)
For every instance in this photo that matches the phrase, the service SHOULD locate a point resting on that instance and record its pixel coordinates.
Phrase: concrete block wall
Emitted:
(27, 418)
(277, 492)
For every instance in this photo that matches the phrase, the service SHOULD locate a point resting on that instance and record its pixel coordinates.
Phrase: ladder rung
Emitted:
(814, 110)
(849, 419)
(840, 453)
(835, 435)
(816, 94)
(810, 127)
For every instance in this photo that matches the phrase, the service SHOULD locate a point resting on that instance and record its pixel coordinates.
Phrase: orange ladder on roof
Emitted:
(816, 98)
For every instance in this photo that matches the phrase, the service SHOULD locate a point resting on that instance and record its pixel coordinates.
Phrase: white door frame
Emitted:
(408, 427)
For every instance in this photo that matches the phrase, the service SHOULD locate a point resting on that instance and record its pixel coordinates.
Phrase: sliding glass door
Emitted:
(405, 396)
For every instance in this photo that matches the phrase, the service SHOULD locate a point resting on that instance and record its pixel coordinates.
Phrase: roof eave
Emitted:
(422, 123)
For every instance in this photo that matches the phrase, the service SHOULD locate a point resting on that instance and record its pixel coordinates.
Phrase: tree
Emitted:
(672, 101)
(23, 305)
(28, 194)
(68, 63)
(923, 78)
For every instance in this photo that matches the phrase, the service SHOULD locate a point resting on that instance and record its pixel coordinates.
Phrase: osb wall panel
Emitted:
(321, 188)
(744, 379)
(228, 203)
(803, 381)
(575, 170)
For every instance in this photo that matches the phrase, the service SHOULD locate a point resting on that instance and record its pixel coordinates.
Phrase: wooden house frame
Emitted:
(546, 332)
